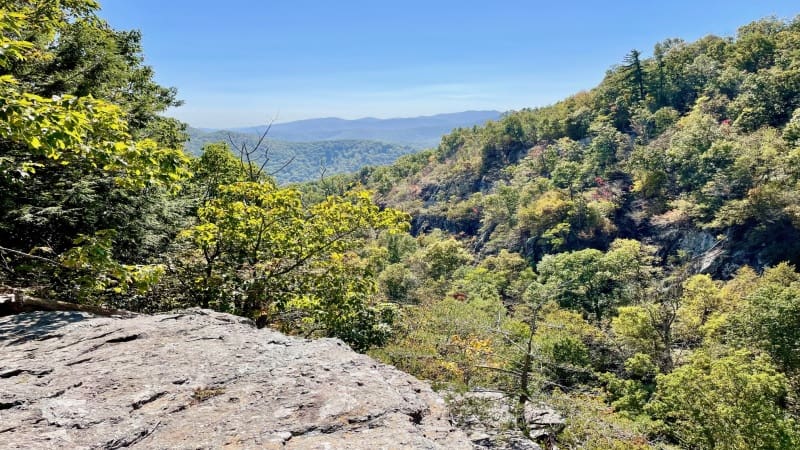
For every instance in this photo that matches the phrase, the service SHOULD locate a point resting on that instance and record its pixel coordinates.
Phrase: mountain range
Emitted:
(293, 162)
(334, 145)
(422, 131)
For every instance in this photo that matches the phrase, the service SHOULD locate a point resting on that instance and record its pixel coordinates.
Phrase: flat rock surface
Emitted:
(200, 379)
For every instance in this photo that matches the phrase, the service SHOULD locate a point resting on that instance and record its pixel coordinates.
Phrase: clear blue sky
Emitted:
(245, 62)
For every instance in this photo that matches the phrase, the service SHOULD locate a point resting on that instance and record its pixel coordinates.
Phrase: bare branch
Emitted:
(6, 266)
(285, 165)
(242, 150)
(262, 138)
(28, 255)
(248, 156)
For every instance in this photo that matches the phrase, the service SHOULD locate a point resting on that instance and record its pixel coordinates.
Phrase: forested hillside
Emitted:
(693, 143)
(626, 255)
(294, 162)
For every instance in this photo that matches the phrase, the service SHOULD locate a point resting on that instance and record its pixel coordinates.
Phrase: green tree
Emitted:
(597, 282)
(77, 53)
(633, 65)
(445, 342)
(792, 131)
(770, 318)
(441, 258)
(216, 166)
(263, 254)
(70, 166)
(730, 401)
(398, 282)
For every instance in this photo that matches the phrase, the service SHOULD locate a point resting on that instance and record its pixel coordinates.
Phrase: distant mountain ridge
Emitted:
(332, 145)
(305, 161)
(421, 132)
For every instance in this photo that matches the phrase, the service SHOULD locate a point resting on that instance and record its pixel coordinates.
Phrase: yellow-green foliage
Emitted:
(70, 144)
(441, 258)
(546, 216)
(702, 309)
(563, 339)
(445, 343)
(635, 327)
(68, 129)
(769, 318)
(262, 253)
(593, 425)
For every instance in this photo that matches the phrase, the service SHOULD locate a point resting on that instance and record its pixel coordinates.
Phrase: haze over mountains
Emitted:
(424, 131)
(334, 145)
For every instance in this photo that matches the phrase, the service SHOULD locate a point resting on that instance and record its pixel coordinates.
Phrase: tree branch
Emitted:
(28, 255)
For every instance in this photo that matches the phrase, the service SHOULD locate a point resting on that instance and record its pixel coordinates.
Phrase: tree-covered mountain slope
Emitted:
(293, 162)
(626, 255)
(693, 148)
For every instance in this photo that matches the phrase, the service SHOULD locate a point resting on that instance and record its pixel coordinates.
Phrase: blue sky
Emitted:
(247, 62)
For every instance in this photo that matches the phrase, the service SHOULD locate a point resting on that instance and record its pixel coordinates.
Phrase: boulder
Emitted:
(200, 379)
(490, 423)
(543, 422)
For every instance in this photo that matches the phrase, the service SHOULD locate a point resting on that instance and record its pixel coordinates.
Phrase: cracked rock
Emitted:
(201, 379)
(488, 419)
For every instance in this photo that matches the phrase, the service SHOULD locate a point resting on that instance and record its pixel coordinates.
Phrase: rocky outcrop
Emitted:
(489, 421)
(199, 379)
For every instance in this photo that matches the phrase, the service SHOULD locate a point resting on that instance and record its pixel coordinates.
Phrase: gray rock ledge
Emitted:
(200, 379)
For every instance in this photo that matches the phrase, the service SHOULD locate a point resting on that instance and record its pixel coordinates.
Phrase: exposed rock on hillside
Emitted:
(488, 420)
(199, 379)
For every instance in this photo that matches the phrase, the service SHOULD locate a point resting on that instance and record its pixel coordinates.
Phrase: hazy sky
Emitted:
(246, 62)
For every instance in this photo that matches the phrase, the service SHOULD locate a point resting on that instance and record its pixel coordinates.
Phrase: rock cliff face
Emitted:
(199, 379)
